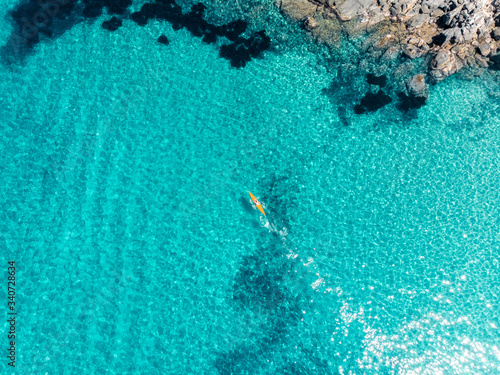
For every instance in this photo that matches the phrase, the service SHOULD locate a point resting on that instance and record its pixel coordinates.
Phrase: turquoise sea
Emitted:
(126, 166)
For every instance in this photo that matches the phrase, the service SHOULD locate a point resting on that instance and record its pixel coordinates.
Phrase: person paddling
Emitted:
(257, 203)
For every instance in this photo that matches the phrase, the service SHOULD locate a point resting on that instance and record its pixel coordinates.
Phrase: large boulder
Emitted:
(310, 24)
(484, 48)
(328, 30)
(298, 10)
(443, 65)
(418, 92)
(405, 7)
(349, 9)
(417, 87)
(418, 20)
(435, 4)
(443, 60)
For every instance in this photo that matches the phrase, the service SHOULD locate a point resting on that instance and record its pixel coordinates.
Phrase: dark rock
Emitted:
(376, 80)
(236, 53)
(112, 25)
(444, 21)
(372, 102)
(33, 20)
(495, 62)
(163, 40)
(198, 10)
(239, 52)
(150, 10)
(438, 40)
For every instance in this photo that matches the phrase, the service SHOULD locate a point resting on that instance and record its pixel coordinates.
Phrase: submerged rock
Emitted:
(386, 41)
(243, 50)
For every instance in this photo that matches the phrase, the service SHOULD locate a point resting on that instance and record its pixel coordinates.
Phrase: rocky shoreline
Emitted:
(443, 37)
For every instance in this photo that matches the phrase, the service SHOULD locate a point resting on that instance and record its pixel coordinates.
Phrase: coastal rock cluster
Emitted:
(442, 37)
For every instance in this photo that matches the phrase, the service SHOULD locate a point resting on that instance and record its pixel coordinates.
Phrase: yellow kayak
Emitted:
(257, 203)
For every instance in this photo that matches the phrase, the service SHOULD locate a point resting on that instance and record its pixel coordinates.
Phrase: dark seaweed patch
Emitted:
(113, 24)
(380, 81)
(162, 39)
(372, 102)
(243, 50)
(407, 102)
(50, 19)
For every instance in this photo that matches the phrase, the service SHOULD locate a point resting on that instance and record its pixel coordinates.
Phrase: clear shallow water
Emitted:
(126, 166)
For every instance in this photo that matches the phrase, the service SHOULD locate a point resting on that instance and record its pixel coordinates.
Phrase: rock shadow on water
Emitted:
(260, 290)
(259, 281)
(259, 287)
(340, 96)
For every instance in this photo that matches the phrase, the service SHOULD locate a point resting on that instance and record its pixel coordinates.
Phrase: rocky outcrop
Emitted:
(417, 87)
(449, 34)
(310, 23)
(444, 64)
(348, 9)
(298, 10)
